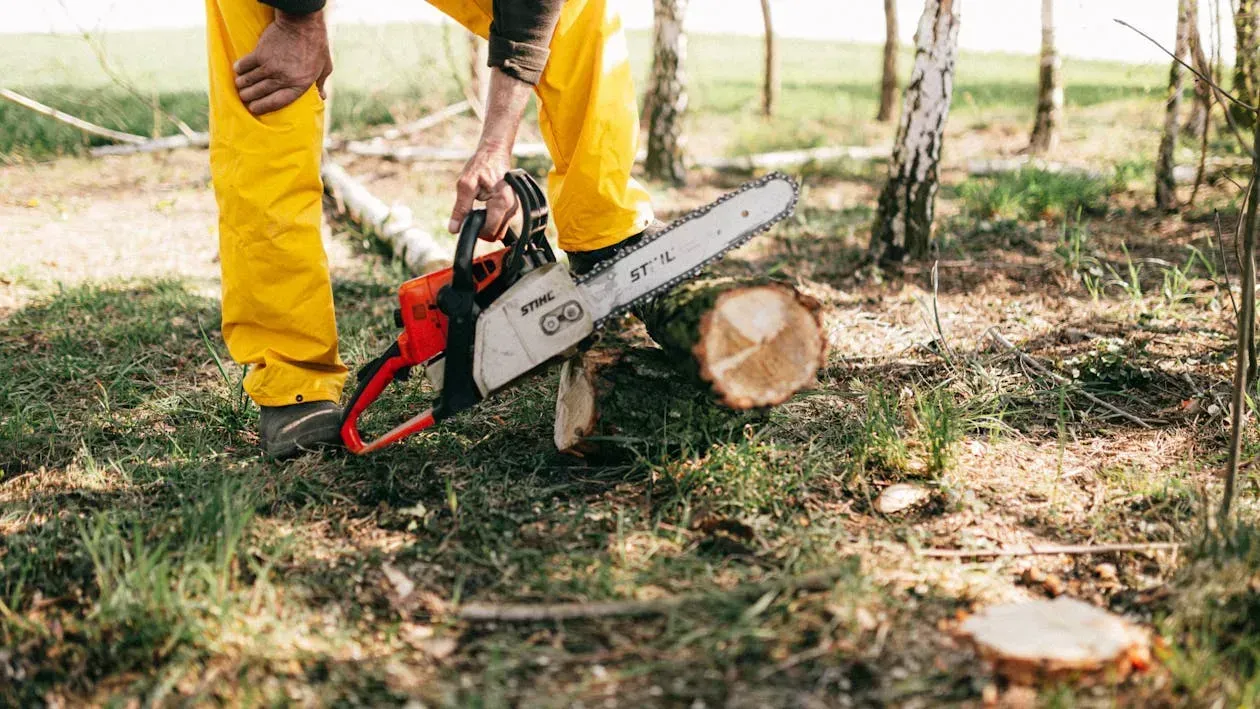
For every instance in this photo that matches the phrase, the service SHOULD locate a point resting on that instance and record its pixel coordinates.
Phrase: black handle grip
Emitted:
(462, 277)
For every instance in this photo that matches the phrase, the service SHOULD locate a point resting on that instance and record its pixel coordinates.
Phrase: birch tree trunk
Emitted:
(1247, 60)
(1045, 135)
(903, 224)
(1165, 181)
(888, 87)
(667, 93)
(770, 88)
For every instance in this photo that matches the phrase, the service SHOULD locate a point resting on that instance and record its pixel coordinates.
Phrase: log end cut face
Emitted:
(1039, 640)
(759, 346)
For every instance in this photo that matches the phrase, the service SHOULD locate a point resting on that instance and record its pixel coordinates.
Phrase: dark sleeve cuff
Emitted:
(296, 7)
(523, 62)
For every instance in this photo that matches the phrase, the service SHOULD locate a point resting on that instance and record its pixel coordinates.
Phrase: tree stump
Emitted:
(753, 342)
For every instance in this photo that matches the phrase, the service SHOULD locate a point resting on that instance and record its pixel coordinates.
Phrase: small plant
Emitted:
(1131, 281)
(1075, 253)
(1110, 365)
(940, 429)
(879, 441)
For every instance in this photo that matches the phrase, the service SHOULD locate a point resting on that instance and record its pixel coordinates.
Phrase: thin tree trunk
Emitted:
(1045, 134)
(1247, 59)
(667, 93)
(770, 89)
(903, 224)
(1197, 120)
(888, 87)
(1165, 182)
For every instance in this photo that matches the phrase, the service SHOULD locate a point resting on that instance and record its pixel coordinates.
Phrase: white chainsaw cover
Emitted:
(540, 317)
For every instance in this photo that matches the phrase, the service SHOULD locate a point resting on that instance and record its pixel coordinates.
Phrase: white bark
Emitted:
(903, 226)
(1045, 134)
(394, 225)
(173, 142)
(667, 93)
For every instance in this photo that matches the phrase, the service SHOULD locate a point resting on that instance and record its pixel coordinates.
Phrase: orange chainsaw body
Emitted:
(424, 324)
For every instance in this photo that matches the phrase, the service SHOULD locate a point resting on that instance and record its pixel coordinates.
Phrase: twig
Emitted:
(85, 126)
(429, 121)
(1246, 343)
(531, 613)
(1048, 550)
(1220, 246)
(936, 311)
(998, 338)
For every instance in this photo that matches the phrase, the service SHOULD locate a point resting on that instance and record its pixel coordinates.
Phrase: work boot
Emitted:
(581, 262)
(288, 431)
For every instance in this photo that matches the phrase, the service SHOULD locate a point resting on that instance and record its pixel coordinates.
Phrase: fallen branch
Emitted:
(173, 142)
(796, 158)
(429, 121)
(1048, 550)
(1002, 166)
(998, 338)
(411, 153)
(394, 225)
(553, 612)
(85, 126)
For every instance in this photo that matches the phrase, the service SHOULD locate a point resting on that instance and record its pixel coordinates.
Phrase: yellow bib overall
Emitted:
(277, 297)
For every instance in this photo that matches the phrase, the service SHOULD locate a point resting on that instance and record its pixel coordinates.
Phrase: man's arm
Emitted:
(482, 177)
(520, 39)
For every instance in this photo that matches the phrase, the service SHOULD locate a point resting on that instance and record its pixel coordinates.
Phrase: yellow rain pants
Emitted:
(589, 117)
(277, 297)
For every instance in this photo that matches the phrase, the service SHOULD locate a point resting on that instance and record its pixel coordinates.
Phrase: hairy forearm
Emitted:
(504, 110)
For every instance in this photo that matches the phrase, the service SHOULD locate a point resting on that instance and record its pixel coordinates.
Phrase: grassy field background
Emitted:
(390, 72)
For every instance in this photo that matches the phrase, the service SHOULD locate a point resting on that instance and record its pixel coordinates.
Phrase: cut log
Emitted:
(755, 343)
(577, 410)
(1057, 640)
(394, 225)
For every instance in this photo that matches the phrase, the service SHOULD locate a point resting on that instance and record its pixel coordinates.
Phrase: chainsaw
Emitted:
(484, 323)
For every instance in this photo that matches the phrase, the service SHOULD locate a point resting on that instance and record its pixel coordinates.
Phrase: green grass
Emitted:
(1033, 195)
(829, 89)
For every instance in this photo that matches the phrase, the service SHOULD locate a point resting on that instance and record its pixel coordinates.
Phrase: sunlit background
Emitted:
(1086, 27)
